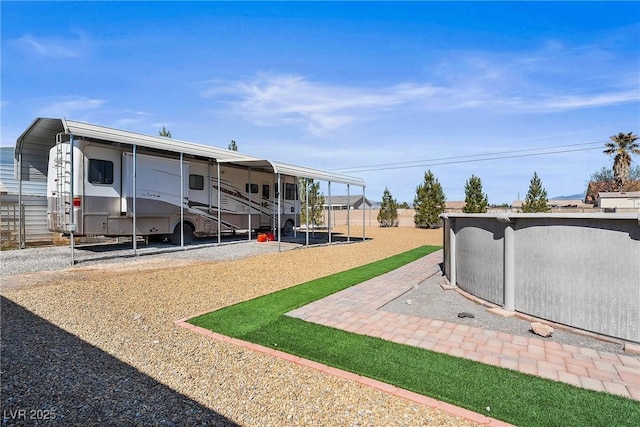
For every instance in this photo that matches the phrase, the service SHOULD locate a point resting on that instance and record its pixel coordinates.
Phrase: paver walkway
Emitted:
(357, 309)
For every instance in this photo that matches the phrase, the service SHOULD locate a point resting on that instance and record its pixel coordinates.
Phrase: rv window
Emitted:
(265, 191)
(254, 188)
(100, 171)
(196, 182)
(290, 192)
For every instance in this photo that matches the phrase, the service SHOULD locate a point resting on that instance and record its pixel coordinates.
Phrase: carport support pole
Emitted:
(181, 201)
(279, 212)
(134, 172)
(348, 214)
(72, 224)
(21, 242)
(296, 215)
(364, 214)
(249, 204)
(209, 180)
(219, 203)
(306, 210)
(329, 214)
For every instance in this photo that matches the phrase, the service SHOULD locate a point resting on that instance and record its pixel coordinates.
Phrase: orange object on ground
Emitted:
(266, 237)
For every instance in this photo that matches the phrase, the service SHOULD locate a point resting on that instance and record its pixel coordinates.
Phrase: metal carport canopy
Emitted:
(155, 142)
(302, 172)
(40, 137)
(34, 144)
(221, 155)
(32, 148)
(298, 171)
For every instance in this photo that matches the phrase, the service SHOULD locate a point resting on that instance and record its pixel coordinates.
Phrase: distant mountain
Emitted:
(579, 196)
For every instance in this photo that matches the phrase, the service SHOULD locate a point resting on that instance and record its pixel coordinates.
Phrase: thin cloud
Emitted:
(576, 102)
(132, 118)
(553, 78)
(54, 47)
(70, 106)
(294, 100)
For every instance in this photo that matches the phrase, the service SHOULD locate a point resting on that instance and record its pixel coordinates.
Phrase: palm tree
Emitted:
(623, 145)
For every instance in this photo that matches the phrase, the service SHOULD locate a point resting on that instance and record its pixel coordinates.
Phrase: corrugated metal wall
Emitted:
(34, 215)
(34, 203)
(9, 181)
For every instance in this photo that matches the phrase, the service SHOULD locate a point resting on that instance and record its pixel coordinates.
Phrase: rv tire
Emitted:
(287, 230)
(188, 234)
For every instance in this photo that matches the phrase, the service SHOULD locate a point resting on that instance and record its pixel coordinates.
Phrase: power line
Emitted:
(471, 155)
(472, 158)
(365, 169)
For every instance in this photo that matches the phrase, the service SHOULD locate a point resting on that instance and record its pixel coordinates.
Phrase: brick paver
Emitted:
(357, 309)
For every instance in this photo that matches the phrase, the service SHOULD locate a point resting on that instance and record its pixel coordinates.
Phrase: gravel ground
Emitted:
(430, 300)
(96, 344)
(58, 258)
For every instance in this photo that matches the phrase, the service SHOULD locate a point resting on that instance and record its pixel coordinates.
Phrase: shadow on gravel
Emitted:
(50, 377)
(109, 251)
(161, 245)
(317, 238)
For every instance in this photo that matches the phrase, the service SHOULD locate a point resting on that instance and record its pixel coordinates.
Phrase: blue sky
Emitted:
(343, 85)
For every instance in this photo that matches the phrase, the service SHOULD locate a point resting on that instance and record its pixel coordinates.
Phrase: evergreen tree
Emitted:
(164, 132)
(233, 146)
(536, 200)
(475, 200)
(388, 214)
(429, 202)
(316, 202)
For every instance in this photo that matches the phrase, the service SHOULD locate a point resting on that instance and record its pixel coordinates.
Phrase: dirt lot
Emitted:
(94, 345)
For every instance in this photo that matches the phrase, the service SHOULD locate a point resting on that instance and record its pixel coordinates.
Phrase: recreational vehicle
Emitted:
(107, 189)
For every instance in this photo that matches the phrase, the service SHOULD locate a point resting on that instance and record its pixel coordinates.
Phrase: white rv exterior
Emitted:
(90, 191)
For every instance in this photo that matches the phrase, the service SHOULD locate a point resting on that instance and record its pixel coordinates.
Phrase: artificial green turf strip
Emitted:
(257, 313)
(512, 396)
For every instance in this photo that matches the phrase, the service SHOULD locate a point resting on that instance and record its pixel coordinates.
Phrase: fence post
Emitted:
(452, 253)
(509, 264)
(23, 229)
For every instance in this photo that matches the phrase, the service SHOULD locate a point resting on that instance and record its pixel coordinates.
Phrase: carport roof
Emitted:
(35, 142)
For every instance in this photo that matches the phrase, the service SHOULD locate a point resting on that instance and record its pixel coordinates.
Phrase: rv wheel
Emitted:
(188, 234)
(287, 230)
